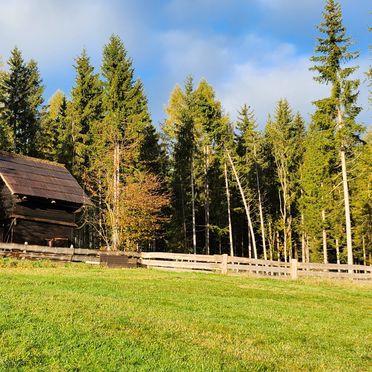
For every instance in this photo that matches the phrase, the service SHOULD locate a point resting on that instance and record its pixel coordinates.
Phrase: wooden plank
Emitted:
(182, 270)
(46, 249)
(178, 264)
(328, 274)
(86, 252)
(45, 220)
(40, 256)
(181, 256)
(267, 269)
(84, 258)
(257, 262)
(320, 266)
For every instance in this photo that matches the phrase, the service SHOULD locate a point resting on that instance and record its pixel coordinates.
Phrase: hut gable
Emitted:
(39, 178)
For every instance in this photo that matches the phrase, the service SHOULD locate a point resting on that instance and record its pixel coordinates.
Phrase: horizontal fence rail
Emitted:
(189, 262)
(227, 264)
(37, 252)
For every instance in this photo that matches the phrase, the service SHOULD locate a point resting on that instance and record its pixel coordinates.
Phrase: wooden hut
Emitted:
(38, 201)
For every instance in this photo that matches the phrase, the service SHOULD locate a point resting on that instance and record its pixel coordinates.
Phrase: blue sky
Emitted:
(251, 51)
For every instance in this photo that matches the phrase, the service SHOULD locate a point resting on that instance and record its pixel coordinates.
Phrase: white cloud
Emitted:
(261, 88)
(185, 53)
(51, 30)
(250, 69)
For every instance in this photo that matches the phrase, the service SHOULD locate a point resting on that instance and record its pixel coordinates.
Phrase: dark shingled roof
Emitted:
(24, 175)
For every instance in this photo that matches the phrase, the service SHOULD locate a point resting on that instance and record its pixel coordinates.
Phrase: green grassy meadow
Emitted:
(80, 317)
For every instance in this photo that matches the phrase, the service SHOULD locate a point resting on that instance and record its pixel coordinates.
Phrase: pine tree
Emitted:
(332, 52)
(48, 140)
(22, 92)
(286, 134)
(85, 110)
(248, 147)
(179, 133)
(362, 199)
(6, 133)
(118, 157)
(316, 182)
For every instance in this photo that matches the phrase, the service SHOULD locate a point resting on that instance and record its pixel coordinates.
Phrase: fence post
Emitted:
(293, 268)
(224, 264)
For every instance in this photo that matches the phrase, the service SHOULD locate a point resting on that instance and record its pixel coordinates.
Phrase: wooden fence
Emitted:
(193, 262)
(224, 264)
(37, 252)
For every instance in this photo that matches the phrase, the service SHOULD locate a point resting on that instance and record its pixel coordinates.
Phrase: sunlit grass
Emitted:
(70, 317)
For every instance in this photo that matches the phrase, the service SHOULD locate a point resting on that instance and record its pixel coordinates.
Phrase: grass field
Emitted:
(77, 317)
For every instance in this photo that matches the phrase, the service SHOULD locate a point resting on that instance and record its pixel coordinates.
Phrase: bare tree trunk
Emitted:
(193, 210)
(116, 196)
(364, 250)
(347, 209)
(229, 211)
(246, 206)
(324, 234)
(290, 245)
(100, 223)
(303, 258)
(183, 216)
(278, 244)
(271, 241)
(249, 244)
(307, 250)
(283, 212)
(261, 214)
(337, 252)
(349, 243)
(206, 191)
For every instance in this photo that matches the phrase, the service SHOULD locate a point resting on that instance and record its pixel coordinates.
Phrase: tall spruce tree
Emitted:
(332, 52)
(179, 133)
(286, 134)
(119, 166)
(248, 147)
(6, 133)
(84, 112)
(22, 92)
(48, 138)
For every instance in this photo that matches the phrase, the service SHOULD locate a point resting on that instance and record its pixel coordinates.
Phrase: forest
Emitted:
(203, 183)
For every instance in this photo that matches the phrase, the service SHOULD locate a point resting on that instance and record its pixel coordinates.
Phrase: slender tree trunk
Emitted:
(193, 210)
(290, 245)
(285, 245)
(283, 212)
(116, 196)
(307, 250)
(100, 224)
(364, 250)
(337, 252)
(249, 244)
(261, 214)
(271, 241)
(349, 243)
(278, 244)
(184, 228)
(303, 258)
(229, 211)
(324, 234)
(246, 206)
(347, 209)
(206, 192)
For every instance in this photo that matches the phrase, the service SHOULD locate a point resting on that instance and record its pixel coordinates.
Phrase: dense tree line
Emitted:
(205, 184)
